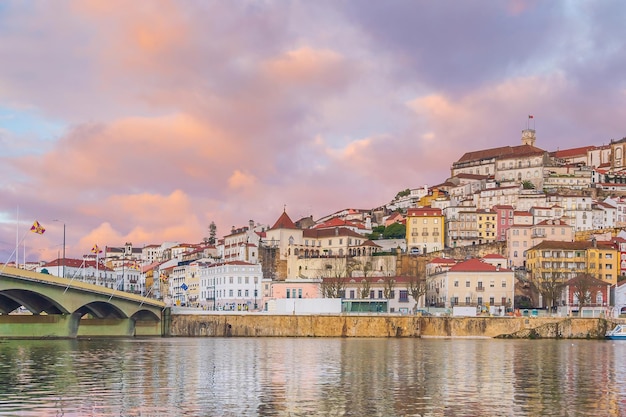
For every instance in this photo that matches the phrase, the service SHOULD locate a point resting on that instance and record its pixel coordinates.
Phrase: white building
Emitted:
(85, 270)
(128, 278)
(231, 286)
(473, 283)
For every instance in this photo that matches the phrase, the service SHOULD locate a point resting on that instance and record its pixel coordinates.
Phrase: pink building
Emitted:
(504, 220)
(295, 288)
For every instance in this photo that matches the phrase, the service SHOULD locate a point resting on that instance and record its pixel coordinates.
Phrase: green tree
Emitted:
(402, 193)
(395, 231)
(212, 233)
(376, 232)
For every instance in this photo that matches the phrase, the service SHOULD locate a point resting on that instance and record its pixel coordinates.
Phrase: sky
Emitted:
(145, 121)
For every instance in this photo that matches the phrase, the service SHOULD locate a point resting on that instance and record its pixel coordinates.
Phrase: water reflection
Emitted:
(297, 377)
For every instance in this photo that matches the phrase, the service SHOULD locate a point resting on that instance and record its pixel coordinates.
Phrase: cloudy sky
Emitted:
(144, 121)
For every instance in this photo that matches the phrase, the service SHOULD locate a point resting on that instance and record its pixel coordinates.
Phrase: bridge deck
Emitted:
(77, 285)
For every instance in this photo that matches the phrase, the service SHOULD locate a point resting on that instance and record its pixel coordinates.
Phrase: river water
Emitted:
(312, 377)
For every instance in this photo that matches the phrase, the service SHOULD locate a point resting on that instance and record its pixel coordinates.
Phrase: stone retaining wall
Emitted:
(264, 325)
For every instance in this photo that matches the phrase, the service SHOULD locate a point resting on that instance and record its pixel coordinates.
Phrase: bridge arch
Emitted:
(101, 310)
(35, 302)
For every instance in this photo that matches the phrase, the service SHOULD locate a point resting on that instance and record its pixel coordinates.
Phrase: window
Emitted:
(467, 284)
(492, 301)
(392, 294)
(468, 300)
(404, 295)
(480, 301)
(480, 284)
(380, 293)
(372, 294)
(352, 294)
(238, 293)
(456, 283)
(492, 284)
(299, 292)
(288, 293)
(503, 283)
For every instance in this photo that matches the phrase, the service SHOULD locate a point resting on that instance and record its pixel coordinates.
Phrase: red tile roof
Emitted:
(424, 211)
(284, 222)
(442, 261)
(568, 153)
(501, 153)
(476, 265)
(493, 256)
(552, 244)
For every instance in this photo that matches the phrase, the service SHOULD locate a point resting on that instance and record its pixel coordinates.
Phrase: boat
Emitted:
(618, 333)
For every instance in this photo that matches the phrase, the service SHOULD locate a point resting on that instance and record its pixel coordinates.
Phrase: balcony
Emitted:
(424, 233)
(480, 289)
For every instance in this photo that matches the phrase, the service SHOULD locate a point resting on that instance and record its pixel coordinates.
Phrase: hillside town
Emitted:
(514, 228)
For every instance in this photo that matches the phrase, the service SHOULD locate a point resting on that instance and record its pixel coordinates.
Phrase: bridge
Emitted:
(34, 305)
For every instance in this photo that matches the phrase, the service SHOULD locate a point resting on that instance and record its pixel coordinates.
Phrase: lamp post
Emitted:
(63, 261)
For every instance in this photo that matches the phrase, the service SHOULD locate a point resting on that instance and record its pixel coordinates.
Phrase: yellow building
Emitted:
(552, 260)
(487, 226)
(424, 230)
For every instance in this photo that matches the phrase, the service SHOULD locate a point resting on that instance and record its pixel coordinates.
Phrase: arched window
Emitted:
(599, 298)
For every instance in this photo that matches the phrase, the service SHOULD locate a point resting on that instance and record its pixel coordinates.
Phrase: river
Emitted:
(312, 377)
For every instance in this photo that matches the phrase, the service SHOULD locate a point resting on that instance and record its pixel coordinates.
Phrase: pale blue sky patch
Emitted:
(23, 132)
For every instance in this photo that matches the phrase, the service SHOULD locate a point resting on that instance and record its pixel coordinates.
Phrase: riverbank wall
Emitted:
(341, 325)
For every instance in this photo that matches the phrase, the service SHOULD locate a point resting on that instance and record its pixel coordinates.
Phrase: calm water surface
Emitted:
(312, 377)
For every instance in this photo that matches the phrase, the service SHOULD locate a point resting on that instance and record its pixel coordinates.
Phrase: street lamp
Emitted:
(63, 261)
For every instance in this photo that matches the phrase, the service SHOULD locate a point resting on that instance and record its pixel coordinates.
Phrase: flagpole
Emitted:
(17, 237)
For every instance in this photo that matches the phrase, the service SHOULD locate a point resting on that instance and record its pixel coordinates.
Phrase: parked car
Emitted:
(422, 312)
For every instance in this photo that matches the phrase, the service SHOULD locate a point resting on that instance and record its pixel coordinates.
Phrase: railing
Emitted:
(480, 289)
